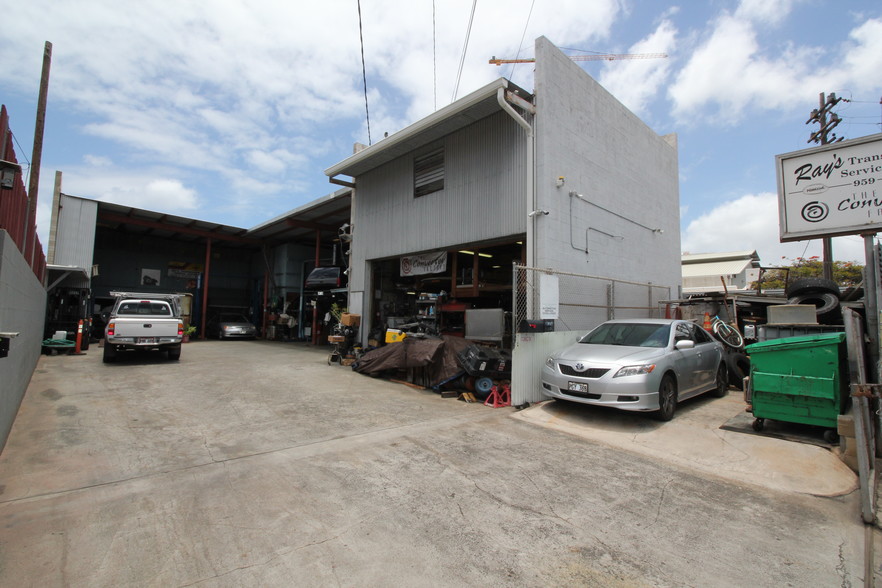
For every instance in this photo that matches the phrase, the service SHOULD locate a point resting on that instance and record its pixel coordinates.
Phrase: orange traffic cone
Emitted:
(707, 323)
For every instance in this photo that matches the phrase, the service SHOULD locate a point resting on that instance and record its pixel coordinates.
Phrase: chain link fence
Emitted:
(583, 301)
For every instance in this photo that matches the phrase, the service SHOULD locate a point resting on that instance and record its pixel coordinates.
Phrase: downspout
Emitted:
(531, 191)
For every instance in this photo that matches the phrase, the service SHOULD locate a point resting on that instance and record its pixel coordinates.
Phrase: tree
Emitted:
(845, 273)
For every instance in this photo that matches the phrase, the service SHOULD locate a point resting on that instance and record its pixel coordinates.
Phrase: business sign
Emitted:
(429, 263)
(549, 296)
(183, 269)
(831, 190)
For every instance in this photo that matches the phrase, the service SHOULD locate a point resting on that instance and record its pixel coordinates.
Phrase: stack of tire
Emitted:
(820, 292)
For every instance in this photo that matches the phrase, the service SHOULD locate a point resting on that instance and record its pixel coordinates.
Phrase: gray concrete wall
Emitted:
(22, 310)
(626, 172)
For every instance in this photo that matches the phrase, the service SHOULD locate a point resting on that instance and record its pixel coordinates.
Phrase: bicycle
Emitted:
(727, 333)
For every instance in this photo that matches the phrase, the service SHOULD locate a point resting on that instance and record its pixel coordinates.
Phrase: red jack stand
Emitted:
(499, 398)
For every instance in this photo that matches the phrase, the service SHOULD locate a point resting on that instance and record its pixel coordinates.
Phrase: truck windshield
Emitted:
(144, 307)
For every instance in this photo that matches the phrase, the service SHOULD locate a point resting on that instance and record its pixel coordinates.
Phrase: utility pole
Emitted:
(34, 184)
(824, 136)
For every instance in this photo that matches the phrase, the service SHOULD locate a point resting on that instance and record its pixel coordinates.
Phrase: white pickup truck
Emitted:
(139, 321)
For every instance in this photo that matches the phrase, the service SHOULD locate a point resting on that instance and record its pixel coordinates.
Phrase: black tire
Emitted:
(109, 353)
(811, 285)
(831, 436)
(824, 302)
(721, 382)
(174, 353)
(738, 365)
(667, 399)
(758, 424)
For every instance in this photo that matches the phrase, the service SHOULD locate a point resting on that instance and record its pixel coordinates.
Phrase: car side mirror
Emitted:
(684, 344)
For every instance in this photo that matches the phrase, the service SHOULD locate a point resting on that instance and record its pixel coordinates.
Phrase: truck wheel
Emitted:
(174, 353)
(811, 285)
(109, 353)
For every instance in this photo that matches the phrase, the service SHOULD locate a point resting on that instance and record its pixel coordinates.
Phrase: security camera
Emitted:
(539, 211)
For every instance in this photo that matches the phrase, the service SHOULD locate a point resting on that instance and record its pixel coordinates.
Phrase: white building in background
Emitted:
(717, 272)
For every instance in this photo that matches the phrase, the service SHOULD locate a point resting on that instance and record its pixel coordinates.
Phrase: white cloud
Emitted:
(863, 56)
(732, 73)
(97, 160)
(729, 72)
(150, 190)
(751, 222)
(764, 11)
(169, 196)
(635, 83)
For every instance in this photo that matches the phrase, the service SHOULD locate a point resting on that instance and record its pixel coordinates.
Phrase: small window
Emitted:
(683, 332)
(701, 335)
(428, 173)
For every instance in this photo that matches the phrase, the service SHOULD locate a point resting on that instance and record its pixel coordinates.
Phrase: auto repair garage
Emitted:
(563, 177)
(99, 247)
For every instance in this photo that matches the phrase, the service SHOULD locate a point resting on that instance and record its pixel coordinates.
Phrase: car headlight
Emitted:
(550, 362)
(634, 370)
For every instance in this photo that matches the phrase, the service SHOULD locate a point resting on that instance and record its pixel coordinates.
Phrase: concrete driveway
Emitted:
(252, 463)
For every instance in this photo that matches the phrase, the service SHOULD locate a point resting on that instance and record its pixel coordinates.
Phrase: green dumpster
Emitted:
(799, 379)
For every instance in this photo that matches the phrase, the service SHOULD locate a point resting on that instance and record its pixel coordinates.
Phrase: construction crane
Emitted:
(596, 57)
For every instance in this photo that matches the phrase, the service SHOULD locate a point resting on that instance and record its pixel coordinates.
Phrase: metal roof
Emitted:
(716, 268)
(158, 224)
(749, 255)
(325, 215)
(465, 111)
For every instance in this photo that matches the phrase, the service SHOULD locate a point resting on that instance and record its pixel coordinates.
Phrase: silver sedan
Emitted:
(638, 365)
(232, 326)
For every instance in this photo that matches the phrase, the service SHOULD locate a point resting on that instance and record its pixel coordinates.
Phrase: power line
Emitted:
(22, 154)
(521, 44)
(465, 47)
(364, 75)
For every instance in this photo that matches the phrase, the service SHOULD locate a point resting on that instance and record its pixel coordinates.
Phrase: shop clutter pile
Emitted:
(451, 366)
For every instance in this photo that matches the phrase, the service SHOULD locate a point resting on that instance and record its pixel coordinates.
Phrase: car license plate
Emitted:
(577, 387)
(148, 340)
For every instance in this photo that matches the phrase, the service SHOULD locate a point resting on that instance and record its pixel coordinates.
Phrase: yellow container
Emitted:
(394, 335)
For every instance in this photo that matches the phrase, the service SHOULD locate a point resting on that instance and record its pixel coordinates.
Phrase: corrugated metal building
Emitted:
(524, 177)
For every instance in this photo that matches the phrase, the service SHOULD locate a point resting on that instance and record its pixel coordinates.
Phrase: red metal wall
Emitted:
(14, 208)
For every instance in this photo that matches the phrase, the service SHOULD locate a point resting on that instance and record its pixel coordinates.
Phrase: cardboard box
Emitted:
(350, 320)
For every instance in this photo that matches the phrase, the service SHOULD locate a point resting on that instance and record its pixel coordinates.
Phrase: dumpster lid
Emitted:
(816, 340)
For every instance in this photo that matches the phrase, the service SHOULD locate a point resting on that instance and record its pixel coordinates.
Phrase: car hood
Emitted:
(609, 353)
(237, 324)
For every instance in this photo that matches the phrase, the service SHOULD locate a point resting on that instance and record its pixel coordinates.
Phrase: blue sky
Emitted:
(229, 112)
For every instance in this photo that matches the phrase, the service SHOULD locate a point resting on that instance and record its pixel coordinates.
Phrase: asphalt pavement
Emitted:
(253, 463)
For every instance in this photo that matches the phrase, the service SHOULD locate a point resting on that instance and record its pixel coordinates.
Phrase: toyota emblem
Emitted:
(580, 367)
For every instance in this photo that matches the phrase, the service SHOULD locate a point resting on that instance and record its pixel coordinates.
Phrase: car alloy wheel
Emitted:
(667, 399)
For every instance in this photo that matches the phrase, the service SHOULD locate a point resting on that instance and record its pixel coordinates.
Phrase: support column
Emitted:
(318, 244)
(205, 287)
